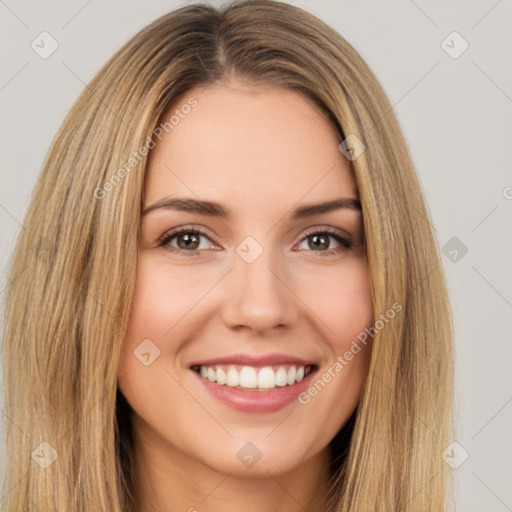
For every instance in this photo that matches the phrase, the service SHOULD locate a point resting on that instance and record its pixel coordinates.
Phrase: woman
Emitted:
(227, 293)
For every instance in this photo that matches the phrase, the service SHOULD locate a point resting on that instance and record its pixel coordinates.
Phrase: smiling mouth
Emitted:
(253, 378)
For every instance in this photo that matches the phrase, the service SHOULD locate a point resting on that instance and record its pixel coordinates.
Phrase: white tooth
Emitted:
(281, 377)
(221, 376)
(248, 377)
(232, 377)
(212, 375)
(292, 372)
(266, 378)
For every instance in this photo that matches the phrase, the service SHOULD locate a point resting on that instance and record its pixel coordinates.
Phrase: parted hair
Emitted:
(72, 273)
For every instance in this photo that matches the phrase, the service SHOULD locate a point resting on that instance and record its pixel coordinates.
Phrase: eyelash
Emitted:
(164, 240)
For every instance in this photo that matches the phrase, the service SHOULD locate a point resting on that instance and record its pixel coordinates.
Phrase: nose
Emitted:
(258, 296)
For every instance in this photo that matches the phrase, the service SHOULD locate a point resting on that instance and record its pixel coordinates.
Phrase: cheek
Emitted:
(159, 301)
(338, 301)
(342, 302)
(164, 297)
(167, 310)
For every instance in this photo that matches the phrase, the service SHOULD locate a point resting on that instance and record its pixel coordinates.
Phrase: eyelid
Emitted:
(323, 228)
(332, 231)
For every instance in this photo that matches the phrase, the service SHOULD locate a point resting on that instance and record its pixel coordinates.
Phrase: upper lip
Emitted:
(254, 360)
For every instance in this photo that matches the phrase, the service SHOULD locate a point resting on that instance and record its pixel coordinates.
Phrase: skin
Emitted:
(261, 152)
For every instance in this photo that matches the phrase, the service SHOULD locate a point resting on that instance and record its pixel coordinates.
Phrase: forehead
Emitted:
(256, 143)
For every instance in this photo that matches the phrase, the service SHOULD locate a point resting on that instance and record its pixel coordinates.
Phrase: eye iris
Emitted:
(187, 241)
(316, 244)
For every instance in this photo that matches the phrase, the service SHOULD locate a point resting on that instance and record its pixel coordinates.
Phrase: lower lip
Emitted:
(257, 401)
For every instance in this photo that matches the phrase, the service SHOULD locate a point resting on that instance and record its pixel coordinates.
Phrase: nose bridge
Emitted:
(258, 296)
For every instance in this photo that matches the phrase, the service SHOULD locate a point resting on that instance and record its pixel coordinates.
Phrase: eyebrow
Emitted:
(212, 209)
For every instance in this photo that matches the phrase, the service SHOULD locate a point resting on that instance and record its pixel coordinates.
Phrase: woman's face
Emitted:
(242, 288)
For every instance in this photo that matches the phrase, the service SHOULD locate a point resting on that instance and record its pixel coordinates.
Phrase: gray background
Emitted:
(456, 115)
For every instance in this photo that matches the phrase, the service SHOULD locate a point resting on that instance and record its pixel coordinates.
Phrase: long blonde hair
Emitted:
(73, 270)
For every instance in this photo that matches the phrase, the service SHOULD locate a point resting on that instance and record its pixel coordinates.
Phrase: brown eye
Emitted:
(321, 241)
(185, 240)
(188, 240)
